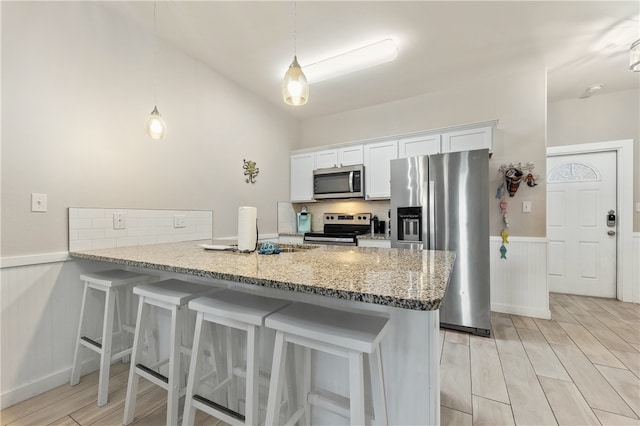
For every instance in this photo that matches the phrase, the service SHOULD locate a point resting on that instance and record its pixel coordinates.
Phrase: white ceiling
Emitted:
(441, 44)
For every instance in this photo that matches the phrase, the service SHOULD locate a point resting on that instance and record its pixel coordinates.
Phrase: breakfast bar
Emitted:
(407, 286)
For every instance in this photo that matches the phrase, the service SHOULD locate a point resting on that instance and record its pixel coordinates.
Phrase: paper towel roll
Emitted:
(247, 228)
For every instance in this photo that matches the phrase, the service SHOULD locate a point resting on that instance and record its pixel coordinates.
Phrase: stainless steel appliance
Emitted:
(340, 229)
(339, 182)
(441, 202)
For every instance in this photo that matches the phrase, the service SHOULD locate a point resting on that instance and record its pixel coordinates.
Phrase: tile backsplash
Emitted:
(93, 228)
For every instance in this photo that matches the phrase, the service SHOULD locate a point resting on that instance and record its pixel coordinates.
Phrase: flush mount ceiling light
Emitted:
(591, 90)
(634, 56)
(358, 59)
(155, 126)
(295, 89)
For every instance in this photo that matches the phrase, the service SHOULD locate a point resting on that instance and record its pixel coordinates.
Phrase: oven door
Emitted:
(330, 239)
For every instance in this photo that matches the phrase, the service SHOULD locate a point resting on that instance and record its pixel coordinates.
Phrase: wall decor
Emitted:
(512, 175)
(251, 171)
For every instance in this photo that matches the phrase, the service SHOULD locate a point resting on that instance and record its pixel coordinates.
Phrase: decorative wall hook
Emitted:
(251, 171)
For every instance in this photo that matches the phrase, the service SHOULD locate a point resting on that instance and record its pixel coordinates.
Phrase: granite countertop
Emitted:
(401, 278)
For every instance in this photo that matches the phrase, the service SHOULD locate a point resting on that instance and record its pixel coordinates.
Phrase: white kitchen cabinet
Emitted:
(419, 145)
(377, 168)
(468, 139)
(326, 158)
(350, 155)
(363, 242)
(338, 157)
(302, 166)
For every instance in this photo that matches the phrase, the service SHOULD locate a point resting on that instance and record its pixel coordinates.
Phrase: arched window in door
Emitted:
(573, 172)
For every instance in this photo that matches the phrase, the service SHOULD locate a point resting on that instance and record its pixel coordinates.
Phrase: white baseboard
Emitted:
(521, 310)
(44, 384)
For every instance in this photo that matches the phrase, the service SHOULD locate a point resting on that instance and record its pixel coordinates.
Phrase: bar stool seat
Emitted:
(173, 296)
(346, 334)
(238, 310)
(111, 282)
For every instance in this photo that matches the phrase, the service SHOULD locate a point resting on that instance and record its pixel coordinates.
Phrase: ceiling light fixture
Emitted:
(634, 56)
(358, 59)
(591, 90)
(155, 126)
(295, 89)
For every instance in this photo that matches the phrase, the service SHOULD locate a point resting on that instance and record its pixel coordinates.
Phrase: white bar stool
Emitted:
(346, 334)
(173, 296)
(242, 311)
(110, 282)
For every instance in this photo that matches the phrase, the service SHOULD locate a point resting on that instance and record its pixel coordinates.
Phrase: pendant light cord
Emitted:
(295, 27)
(155, 54)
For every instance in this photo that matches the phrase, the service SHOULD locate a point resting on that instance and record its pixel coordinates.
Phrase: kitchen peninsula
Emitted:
(407, 286)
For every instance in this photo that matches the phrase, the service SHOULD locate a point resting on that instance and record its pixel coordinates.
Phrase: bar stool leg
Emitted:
(377, 385)
(251, 407)
(306, 384)
(189, 415)
(356, 388)
(132, 386)
(173, 396)
(277, 379)
(232, 390)
(105, 356)
(77, 359)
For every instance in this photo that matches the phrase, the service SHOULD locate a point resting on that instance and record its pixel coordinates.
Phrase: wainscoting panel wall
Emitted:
(519, 282)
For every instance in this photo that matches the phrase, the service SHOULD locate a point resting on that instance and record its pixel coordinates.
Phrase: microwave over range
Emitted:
(339, 182)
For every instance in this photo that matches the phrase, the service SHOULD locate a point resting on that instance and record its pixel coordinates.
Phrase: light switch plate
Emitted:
(38, 202)
(526, 206)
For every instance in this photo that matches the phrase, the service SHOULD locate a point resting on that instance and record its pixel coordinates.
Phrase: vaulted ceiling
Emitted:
(441, 44)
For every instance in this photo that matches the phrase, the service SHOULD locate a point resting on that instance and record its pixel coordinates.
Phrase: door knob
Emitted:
(612, 233)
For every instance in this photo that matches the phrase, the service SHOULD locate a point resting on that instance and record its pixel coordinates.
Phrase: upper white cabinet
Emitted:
(302, 166)
(377, 168)
(327, 158)
(419, 145)
(468, 139)
(338, 157)
(350, 155)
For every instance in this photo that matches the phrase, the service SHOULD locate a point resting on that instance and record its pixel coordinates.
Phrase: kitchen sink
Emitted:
(295, 248)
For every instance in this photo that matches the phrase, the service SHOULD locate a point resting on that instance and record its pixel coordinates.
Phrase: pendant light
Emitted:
(295, 89)
(155, 126)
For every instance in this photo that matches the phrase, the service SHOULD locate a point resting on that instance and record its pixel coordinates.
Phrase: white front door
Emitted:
(581, 190)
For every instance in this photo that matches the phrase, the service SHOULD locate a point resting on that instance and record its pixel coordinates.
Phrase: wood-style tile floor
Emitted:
(581, 367)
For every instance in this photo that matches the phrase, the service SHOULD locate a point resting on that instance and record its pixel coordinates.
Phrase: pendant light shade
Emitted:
(634, 56)
(295, 89)
(155, 126)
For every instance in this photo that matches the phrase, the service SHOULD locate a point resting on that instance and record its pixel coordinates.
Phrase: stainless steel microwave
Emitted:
(339, 182)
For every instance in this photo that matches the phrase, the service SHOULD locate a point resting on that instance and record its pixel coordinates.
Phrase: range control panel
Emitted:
(347, 218)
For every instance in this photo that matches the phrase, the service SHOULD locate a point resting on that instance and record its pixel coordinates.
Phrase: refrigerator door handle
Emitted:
(432, 216)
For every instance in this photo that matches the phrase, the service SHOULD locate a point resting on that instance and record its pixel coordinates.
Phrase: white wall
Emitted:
(600, 118)
(76, 90)
(518, 101)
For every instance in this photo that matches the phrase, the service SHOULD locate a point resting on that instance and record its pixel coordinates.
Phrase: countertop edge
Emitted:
(434, 304)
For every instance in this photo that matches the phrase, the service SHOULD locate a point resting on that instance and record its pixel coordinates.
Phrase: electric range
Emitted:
(341, 229)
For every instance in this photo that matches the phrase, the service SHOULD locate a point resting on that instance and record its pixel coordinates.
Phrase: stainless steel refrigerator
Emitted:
(441, 202)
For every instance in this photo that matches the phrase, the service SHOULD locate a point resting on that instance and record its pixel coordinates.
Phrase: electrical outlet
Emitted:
(119, 221)
(38, 202)
(526, 206)
(179, 221)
